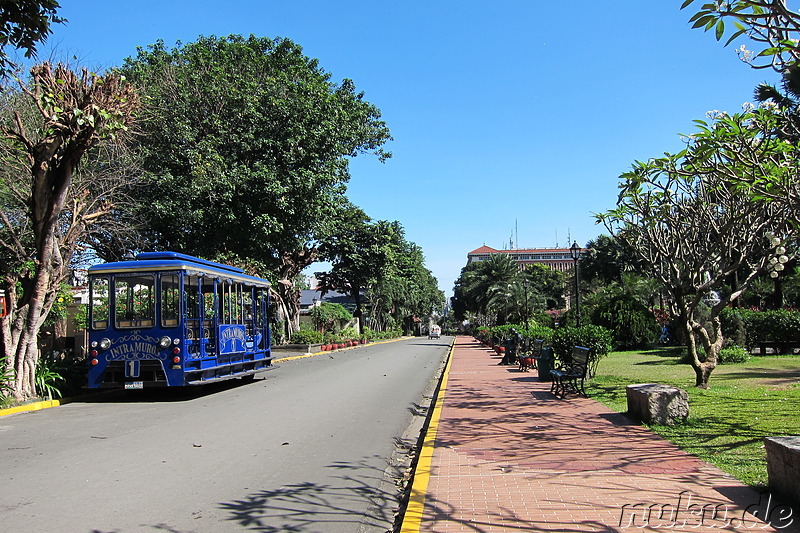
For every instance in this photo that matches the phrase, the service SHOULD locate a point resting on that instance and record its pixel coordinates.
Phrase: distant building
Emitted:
(556, 258)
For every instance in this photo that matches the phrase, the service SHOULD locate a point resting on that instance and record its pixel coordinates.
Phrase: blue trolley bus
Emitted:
(169, 319)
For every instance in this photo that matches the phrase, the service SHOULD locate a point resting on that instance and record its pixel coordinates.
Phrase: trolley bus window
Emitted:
(192, 297)
(99, 299)
(247, 309)
(260, 315)
(170, 307)
(208, 300)
(134, 301)
(231, 303)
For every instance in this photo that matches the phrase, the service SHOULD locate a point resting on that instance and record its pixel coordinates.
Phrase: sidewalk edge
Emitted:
(412, 517)
(36, 406)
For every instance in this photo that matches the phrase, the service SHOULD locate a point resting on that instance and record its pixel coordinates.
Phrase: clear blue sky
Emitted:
(509, 118)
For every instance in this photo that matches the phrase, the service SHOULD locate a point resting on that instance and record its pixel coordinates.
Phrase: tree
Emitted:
(544, 285)
(770, 23)
(692, 227)
(605, 259)
(47, 128)
(246, 144)
(360, 252)
(482, 288)
(23, 25)
(406, 289)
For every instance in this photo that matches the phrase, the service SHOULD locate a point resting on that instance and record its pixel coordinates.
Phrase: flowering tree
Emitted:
(696, 229)
(769, 23)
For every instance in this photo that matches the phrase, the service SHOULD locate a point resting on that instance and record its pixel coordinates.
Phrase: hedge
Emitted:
(779, 325)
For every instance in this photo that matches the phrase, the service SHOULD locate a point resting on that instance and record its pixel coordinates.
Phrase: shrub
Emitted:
(349, 333)
(597, 338)
(306, 336)
(501, 333)
(632, 324)
(47, 378)
(540, 332)
(483, 334)
(733, 354)
(734, 329)
(329, 315)
(540, 319)
(6, 377)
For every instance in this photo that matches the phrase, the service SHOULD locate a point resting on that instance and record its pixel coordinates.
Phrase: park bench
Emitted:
(527, 358)
(569, 377)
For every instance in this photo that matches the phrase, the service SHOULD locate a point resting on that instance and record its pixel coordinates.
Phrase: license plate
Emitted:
(134, 385)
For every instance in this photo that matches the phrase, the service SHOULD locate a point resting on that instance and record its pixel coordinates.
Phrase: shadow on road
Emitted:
(358, 496)
(164, 394)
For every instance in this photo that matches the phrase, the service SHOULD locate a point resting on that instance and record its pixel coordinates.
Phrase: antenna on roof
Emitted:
(556, 237)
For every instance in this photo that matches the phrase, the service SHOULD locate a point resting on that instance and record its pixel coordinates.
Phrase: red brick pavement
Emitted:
(509, 456)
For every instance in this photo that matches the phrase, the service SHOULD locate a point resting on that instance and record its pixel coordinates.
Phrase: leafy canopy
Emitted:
(246, 144)
(23, 25)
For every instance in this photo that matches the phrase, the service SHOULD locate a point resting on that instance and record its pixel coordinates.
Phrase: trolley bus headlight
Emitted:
(94, 344)
(176, 341)
(94, 362)
(164, 342)
(105, 343)
(93, 354)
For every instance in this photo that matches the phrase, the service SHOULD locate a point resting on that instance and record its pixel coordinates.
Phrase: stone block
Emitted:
(655, 403)
(783, 466)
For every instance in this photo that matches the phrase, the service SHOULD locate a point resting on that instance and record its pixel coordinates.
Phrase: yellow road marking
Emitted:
(422, 474)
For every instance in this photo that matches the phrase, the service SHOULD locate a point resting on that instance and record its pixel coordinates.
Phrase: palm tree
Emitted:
(486, 287)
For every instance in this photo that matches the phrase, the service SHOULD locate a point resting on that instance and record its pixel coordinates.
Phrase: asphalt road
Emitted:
(305, 449)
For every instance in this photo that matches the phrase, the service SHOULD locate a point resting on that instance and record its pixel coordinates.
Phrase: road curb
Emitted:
(303, 356)
(412, 517)
(35, 406)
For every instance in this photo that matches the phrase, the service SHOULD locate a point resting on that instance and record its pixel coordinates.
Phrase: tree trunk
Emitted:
(702, 374)
(109, 102)
(291, 264)
(693, 330)
(359, 312)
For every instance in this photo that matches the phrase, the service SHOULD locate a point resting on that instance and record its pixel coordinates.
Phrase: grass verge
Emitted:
(728, 422)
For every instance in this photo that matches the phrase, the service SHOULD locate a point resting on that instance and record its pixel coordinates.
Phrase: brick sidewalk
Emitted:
(509, 456)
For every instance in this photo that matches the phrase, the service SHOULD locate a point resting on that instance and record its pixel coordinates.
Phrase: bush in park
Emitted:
(597, 338)
(306, 336)
(733, 354)
(734, 329)
(632, 324)
(544, 333)
(748, 327)
(330, 315)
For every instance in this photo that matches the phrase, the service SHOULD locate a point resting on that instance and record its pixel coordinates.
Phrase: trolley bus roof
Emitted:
(171, 261)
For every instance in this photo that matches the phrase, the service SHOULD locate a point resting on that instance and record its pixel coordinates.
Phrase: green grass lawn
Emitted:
(728, 422)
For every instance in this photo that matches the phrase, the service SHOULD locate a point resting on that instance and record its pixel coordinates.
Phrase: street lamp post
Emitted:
(527, 314)
(575, 252)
